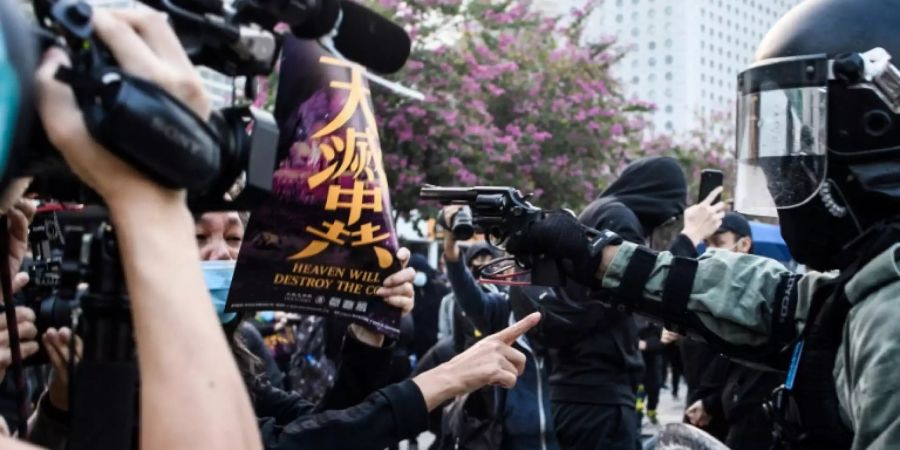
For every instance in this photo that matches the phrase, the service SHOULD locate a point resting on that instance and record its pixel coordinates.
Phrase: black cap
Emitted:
(735, 223)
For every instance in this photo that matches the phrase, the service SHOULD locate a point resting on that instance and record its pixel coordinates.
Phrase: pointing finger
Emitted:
(511, 333)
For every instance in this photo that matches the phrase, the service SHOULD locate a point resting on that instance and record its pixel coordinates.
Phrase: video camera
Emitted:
(161, 137)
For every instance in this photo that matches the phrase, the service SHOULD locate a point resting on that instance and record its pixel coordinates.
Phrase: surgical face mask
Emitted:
(217, 275)
(420, 280)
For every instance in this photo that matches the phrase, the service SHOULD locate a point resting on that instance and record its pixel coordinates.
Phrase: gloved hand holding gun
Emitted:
(552, 244)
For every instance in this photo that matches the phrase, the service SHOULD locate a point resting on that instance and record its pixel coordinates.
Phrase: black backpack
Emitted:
(474, 421)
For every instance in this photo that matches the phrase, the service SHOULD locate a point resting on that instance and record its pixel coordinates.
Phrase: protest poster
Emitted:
(324, 241)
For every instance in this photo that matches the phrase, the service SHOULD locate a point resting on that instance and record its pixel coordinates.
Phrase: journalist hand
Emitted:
(27, 333)
(19, 216)
(143, 44)
(561, 237)
(56, 342)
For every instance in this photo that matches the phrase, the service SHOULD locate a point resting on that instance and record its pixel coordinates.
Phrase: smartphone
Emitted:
(709, 180)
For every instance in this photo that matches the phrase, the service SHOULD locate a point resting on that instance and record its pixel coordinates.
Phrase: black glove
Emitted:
(561, 237)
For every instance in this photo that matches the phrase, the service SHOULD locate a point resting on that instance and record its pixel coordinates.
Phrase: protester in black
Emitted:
(596, 364)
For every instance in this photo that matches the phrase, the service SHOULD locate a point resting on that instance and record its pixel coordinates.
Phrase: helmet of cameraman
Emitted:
(819, 125)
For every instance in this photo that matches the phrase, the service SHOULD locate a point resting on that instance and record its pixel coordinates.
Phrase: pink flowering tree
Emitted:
(513, 97)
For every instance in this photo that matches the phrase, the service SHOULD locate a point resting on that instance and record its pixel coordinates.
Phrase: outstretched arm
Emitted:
(187, 371)
(745, 305)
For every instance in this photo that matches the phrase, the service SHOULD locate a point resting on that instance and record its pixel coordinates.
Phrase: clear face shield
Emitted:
(782, 124)
(781, 135)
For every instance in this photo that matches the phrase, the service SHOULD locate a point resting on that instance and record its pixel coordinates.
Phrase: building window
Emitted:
(668, 43)
(651, 62)
(669, 109)
(652, 45)
(669, 125)
(668, 10)
(669, 59)
(635, 79)
(668, 76)
(618, 18)
(635, 32)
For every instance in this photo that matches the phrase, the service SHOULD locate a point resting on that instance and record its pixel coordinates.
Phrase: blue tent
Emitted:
(767, 241)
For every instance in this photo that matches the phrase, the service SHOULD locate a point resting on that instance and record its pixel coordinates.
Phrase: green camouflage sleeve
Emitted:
(734, 296)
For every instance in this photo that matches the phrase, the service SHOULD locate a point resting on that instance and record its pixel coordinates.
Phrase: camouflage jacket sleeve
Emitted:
(736, 300)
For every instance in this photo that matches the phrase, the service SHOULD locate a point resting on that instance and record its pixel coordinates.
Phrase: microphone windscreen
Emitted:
(320, 21)
(367, 38)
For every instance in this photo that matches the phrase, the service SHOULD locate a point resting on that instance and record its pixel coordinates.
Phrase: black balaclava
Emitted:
(654, 188)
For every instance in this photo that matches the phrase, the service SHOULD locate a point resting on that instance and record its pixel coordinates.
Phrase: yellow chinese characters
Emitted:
(355, 153)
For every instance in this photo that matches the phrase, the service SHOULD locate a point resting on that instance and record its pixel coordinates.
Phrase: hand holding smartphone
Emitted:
(709, 180)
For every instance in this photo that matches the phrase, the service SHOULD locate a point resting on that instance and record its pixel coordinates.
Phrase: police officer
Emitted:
(819, 127)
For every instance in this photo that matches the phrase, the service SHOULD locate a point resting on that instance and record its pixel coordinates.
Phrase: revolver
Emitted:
(500, 212)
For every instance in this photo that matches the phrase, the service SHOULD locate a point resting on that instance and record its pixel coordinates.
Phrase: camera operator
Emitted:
(836, 196)
(197, 377)
(595, 351)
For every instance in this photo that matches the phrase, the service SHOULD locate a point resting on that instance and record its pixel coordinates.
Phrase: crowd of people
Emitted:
(770, 356)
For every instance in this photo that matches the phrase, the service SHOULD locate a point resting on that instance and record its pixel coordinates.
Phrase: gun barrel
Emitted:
(448, 194)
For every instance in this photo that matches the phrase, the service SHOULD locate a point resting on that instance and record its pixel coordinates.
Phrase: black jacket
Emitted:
(594, 348)
(357, 413)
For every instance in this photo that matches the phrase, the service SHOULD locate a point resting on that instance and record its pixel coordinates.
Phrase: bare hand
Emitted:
(668, 337)
(57, 345)
(27, 334)
(491, 361)
(697, 415)
(397, 291)
(642, 345)
(703, 219)
(451, 248)
(19, 217)
(144, 44)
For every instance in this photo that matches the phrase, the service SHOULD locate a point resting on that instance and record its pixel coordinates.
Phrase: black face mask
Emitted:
(814, 236)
